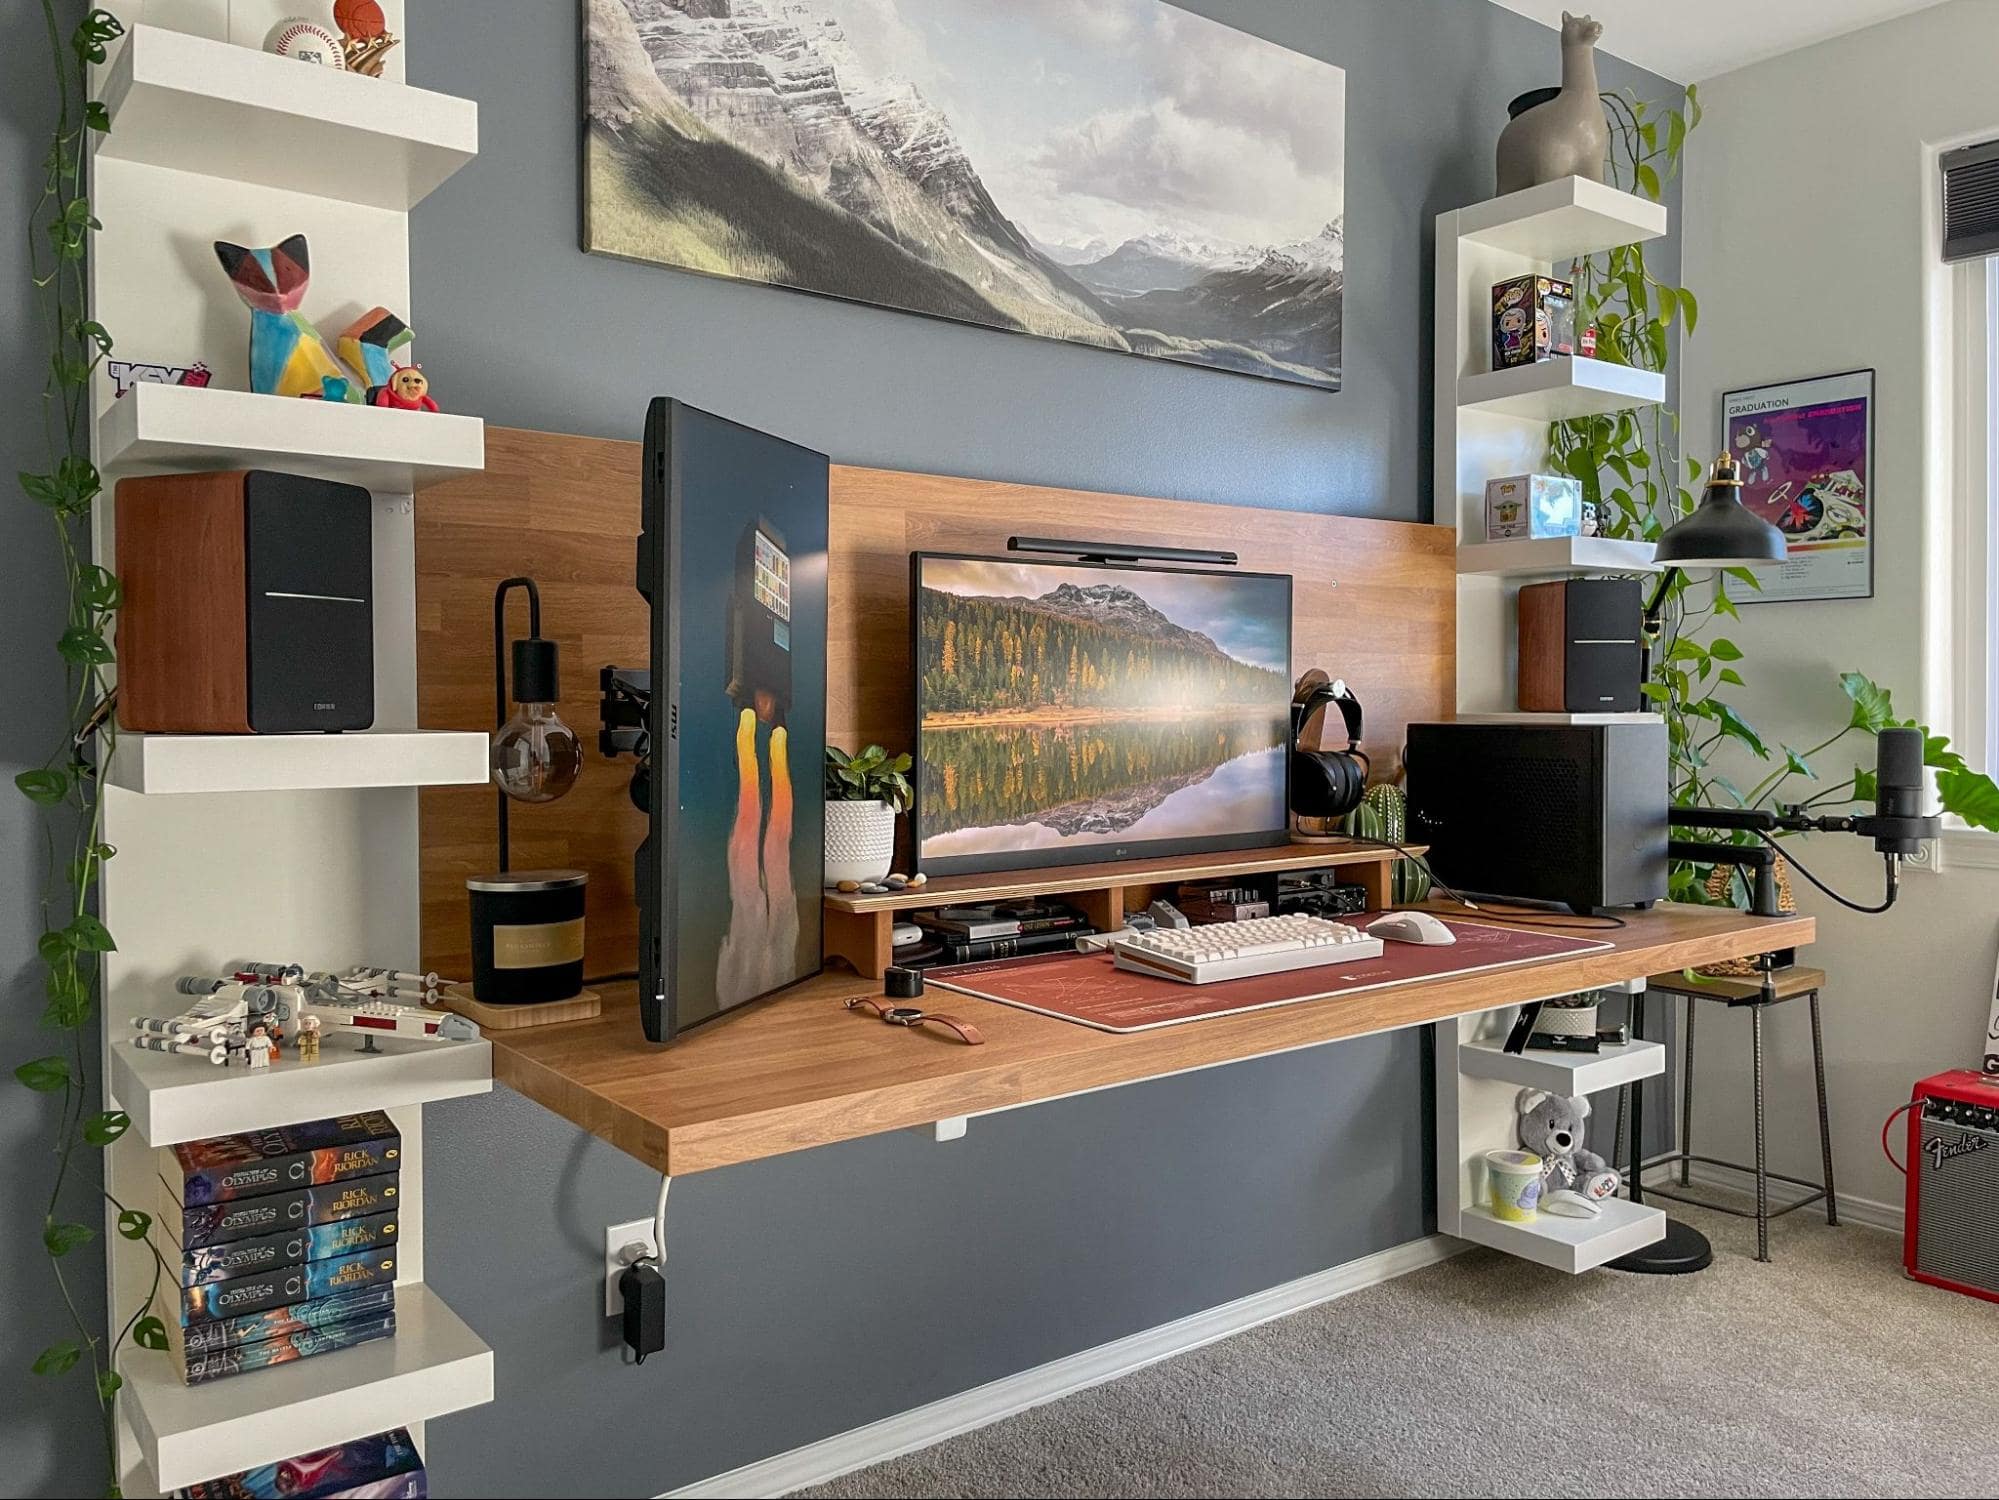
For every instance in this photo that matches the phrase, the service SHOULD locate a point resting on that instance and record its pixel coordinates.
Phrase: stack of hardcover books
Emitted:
(1003, 929)
(285, 1243)
(383, 1467)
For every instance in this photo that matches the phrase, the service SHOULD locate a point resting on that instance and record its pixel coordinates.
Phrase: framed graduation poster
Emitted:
(1806, 448)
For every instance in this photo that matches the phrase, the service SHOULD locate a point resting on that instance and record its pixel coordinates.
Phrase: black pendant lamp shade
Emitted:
(1721, 533)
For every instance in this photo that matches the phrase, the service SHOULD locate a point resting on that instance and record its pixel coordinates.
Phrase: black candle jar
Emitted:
(527, 936)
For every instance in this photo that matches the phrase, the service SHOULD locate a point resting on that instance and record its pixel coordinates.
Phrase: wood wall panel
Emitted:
(1374, 602)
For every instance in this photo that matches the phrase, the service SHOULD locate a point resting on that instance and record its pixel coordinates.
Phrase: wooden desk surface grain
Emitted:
(798, 1070)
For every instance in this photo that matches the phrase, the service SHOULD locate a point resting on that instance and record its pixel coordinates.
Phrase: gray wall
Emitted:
(813, 1293)
(48, 1435)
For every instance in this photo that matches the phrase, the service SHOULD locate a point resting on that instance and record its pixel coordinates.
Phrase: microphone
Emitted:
(1898, 824)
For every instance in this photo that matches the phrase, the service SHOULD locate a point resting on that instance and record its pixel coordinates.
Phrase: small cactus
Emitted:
(1383, 815)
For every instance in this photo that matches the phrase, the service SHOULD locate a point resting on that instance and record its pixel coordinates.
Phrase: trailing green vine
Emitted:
(1632, 470)
(66, 785)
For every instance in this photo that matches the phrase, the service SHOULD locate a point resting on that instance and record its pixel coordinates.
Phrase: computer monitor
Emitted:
(1074, 711)
(732, 558)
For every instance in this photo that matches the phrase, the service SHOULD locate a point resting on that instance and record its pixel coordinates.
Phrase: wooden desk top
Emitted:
(797, 1070)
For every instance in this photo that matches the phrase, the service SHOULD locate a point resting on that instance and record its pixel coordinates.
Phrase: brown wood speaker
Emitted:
(248, 604)
(1579, 650)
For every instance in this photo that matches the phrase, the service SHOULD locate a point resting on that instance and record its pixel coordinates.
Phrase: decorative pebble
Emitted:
(848, 887)
(897, 882)
(873, 888)
(919, 879)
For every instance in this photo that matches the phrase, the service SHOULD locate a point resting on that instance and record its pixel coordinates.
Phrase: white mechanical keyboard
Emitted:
(1237, 950)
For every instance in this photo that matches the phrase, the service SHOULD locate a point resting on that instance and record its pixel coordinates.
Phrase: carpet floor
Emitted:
(1824, 1373)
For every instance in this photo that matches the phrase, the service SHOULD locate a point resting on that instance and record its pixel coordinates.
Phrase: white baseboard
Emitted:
(815, 1463)
(1869, 1213)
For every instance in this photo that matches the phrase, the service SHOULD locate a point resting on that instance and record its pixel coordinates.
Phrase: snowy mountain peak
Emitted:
(1114, 605)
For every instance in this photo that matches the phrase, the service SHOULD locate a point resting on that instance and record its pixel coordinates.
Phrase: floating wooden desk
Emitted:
(797, 1070)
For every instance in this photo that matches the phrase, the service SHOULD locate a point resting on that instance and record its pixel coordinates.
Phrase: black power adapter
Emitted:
(643, 1286)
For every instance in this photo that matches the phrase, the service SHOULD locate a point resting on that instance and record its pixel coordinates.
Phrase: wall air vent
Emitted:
(1971, 202)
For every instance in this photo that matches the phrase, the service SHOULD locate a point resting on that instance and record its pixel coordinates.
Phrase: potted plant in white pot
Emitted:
(864, 792)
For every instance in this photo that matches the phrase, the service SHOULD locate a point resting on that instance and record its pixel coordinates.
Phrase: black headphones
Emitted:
(1325, 783)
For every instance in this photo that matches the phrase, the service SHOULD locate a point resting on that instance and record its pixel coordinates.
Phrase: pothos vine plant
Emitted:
(1631, 468)
(66, 785)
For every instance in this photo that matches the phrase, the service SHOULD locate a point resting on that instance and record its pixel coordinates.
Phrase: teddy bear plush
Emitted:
(1552, 1128)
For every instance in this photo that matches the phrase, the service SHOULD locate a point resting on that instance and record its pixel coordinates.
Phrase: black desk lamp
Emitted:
(1722, 533)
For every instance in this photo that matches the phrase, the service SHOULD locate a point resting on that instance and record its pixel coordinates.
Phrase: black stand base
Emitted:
(1684, 1249)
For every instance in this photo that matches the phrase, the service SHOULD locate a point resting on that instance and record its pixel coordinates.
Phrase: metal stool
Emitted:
(1786, 984)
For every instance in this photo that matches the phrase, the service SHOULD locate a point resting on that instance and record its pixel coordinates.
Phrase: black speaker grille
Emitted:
(1957, 1214)
(1539, 817)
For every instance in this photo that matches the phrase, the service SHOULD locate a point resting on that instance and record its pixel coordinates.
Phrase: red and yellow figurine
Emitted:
(408, 390)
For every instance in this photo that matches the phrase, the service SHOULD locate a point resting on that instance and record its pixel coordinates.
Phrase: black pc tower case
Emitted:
(1568, 813)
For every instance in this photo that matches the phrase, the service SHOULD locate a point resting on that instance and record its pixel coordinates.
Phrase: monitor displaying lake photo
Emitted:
(1069, 712)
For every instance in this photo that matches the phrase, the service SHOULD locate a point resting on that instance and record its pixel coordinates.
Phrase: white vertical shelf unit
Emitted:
(1490, 424)
(282, 846)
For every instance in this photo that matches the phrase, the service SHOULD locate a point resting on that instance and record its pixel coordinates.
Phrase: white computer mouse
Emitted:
(1412, 927)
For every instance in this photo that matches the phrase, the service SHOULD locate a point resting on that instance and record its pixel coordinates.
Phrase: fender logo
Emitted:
(1941, 1150)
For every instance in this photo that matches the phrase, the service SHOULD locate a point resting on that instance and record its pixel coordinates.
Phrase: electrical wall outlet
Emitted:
(616, 1238)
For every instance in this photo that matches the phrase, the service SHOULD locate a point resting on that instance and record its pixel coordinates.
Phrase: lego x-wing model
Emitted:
(240, 1017)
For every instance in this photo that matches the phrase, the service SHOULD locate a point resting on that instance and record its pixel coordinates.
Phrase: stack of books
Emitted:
(285, 1243)
(383, 1467)
(1003, 929)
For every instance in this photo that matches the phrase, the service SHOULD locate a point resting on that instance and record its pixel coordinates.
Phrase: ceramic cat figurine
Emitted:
(1567, 136)
(288, 356)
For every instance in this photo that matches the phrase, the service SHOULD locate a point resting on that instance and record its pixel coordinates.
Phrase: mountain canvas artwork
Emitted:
(1120, 173)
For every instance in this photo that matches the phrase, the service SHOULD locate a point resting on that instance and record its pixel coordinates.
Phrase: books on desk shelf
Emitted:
(192, 1225)
(383, 1467)
(285, 1158)
(285, 1241)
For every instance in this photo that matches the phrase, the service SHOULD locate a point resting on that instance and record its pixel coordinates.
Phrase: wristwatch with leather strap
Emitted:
(909, 1015)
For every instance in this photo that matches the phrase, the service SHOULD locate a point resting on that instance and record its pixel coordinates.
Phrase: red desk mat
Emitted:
(1089, 989)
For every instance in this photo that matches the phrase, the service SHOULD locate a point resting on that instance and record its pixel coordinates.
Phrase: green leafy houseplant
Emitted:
(1632, 470)
(870, 776)
(66, 785)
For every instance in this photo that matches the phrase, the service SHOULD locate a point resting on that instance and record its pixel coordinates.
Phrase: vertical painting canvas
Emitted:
(1119, 173)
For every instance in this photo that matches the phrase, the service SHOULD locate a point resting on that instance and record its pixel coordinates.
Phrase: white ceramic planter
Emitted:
(860, 841)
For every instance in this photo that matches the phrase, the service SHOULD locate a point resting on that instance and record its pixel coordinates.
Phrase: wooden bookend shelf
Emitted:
(858, 928)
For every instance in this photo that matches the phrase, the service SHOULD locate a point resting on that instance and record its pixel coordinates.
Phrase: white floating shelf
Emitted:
(221, 110)
(1514, 717)
(176, 763)
(1572, 1245)
(1553, 390)
(434, 1365)
(177, 427)
(172, 1098)
(1527, 556)
(1565, 1073)
(1559, 220)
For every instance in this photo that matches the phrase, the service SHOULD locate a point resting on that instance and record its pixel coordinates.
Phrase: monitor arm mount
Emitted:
(624, 700)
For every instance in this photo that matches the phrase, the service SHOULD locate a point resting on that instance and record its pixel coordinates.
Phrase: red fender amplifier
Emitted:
(1951, 1233)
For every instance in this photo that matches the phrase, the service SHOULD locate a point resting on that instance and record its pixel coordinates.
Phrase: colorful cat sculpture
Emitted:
(288, 355)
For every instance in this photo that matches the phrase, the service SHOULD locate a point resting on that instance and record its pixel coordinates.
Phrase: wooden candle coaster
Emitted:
(578, 1007)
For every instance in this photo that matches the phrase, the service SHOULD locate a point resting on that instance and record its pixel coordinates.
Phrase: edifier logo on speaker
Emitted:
(1941, 1150)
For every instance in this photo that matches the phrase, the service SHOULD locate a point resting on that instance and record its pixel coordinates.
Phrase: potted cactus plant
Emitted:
(864, 792)
(1383, 816)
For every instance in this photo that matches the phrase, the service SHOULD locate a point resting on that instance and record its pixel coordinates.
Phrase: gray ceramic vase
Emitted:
(1567, 136)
